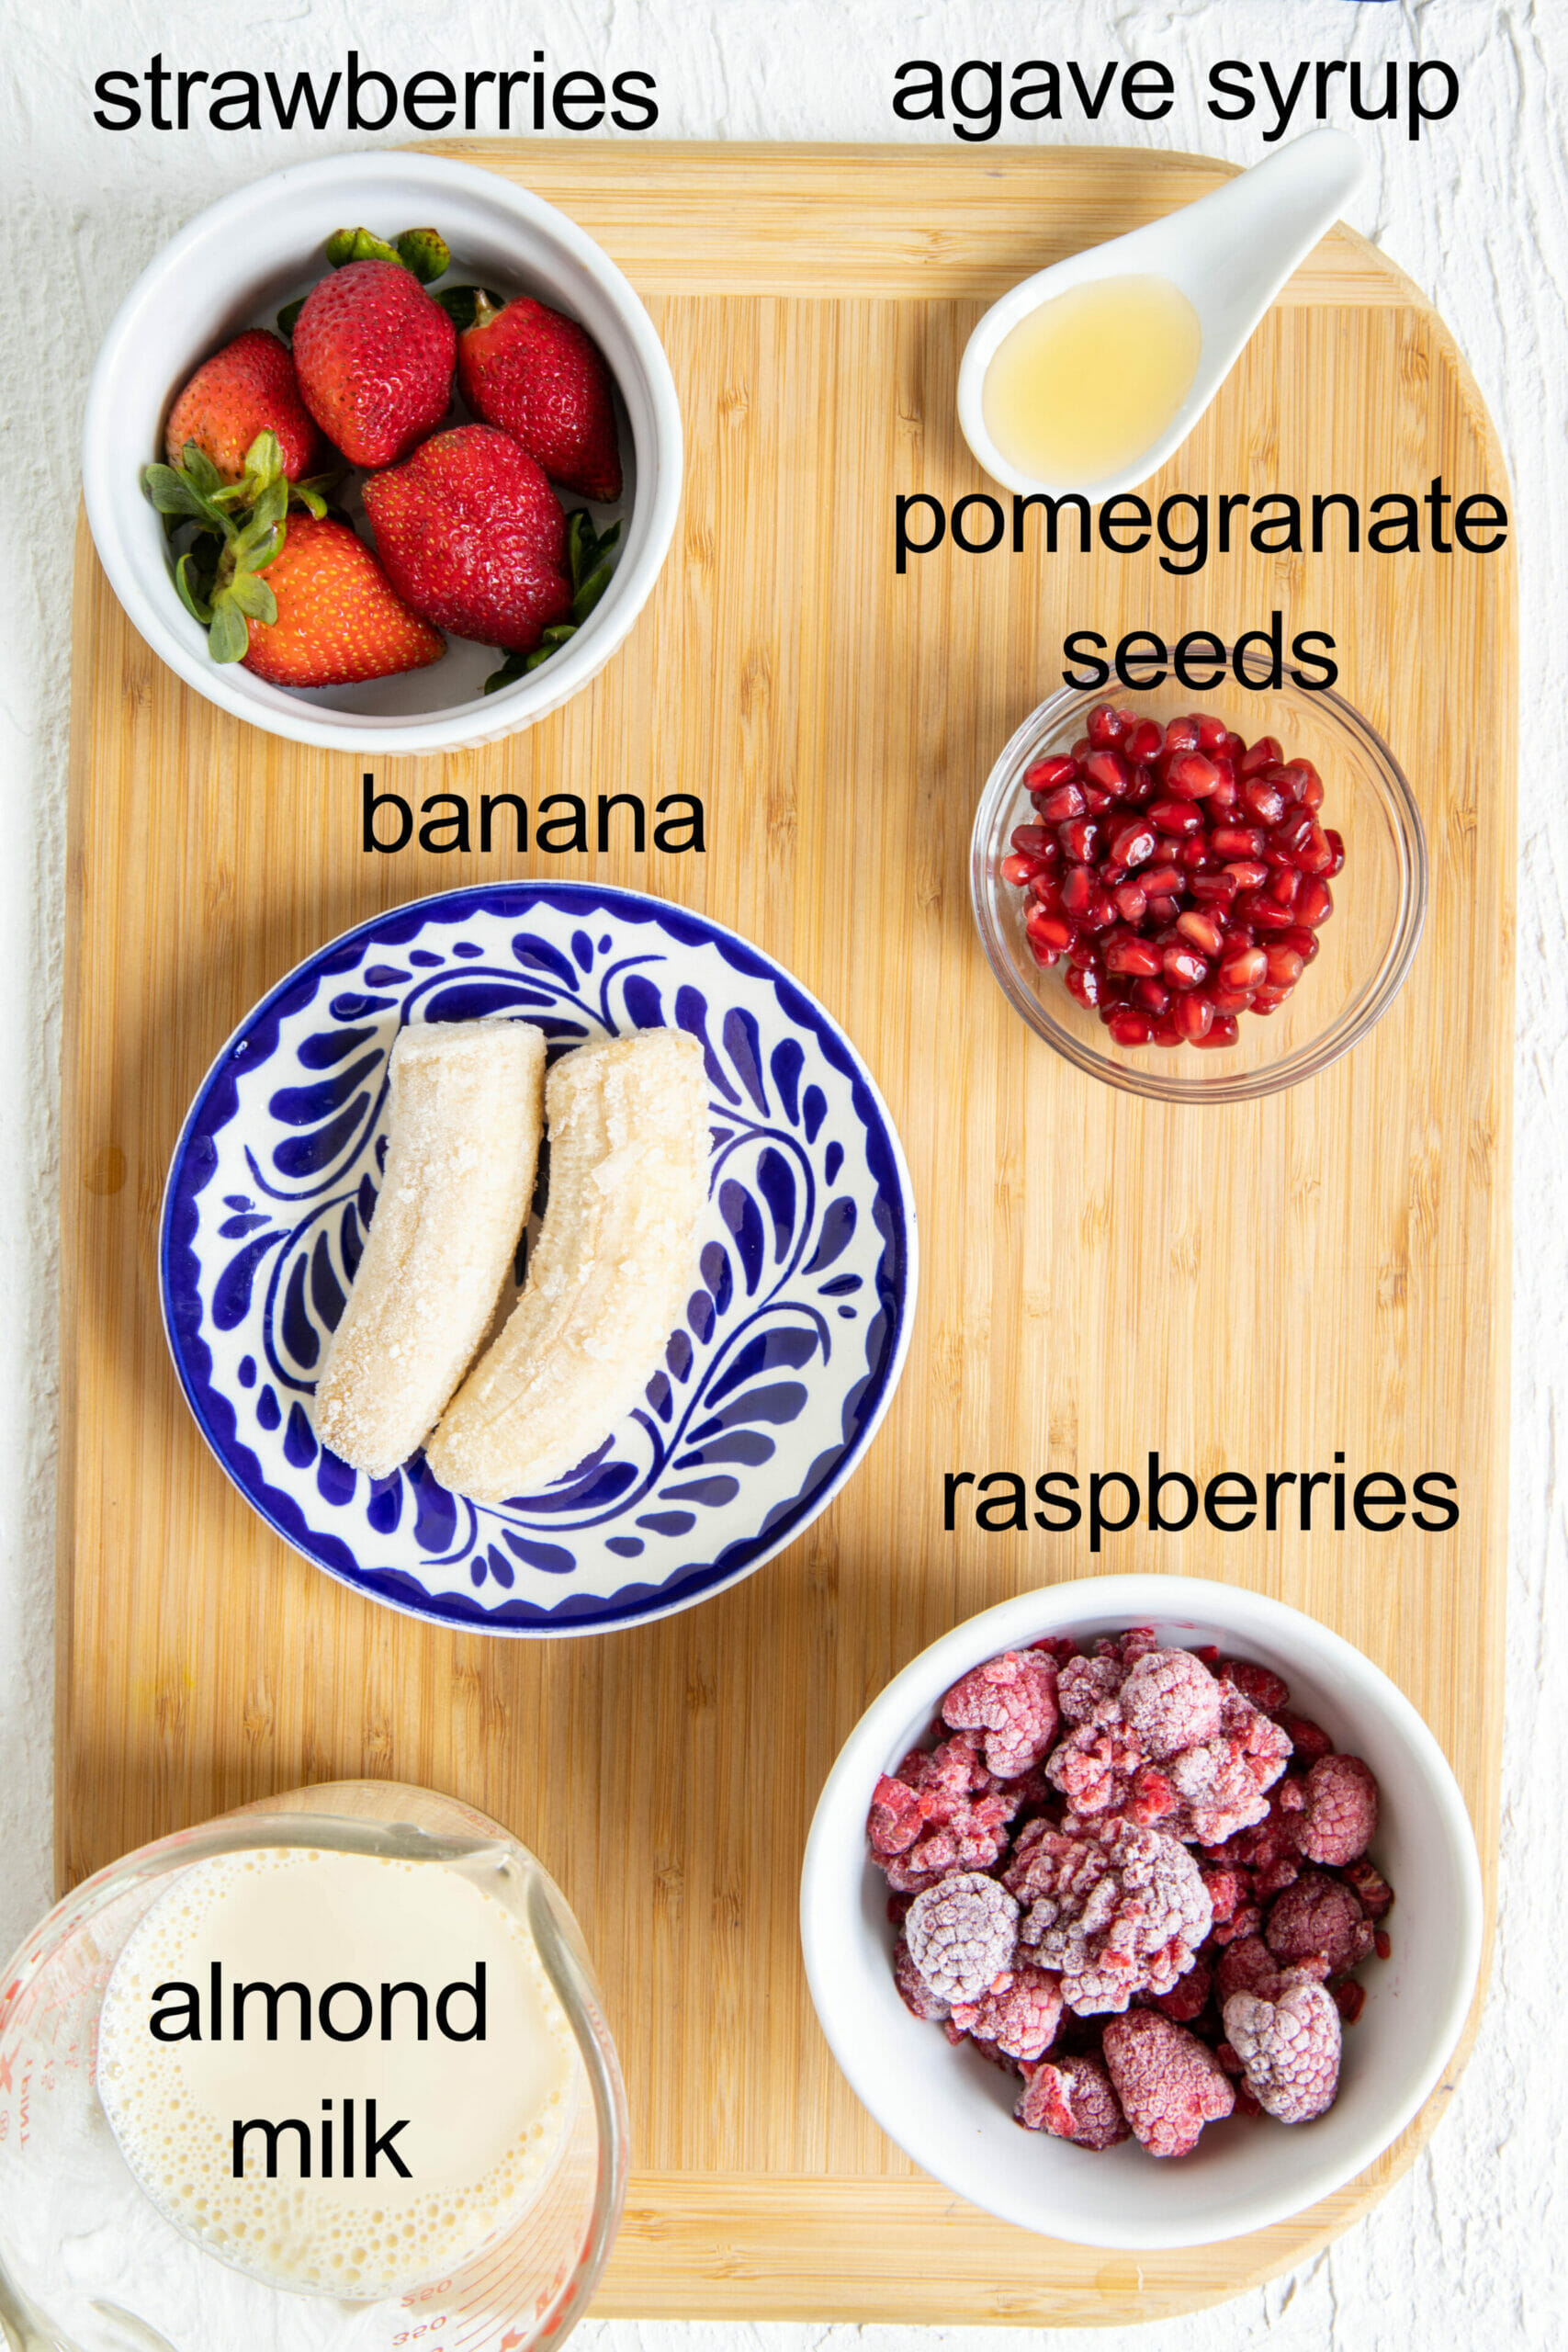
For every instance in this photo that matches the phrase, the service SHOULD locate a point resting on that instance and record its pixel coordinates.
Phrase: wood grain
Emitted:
(1243, 1288)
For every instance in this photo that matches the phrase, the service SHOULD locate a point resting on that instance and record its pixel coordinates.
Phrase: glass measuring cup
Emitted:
(88, 2263)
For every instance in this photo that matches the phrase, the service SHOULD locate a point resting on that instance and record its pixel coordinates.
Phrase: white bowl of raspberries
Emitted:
(383, 454)
(1142, 1911)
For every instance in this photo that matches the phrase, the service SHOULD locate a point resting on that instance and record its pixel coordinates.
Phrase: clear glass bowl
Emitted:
(87, 2264)
(1366, 946)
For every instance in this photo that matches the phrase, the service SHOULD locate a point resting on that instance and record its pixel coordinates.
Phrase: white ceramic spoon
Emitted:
(1229, 254)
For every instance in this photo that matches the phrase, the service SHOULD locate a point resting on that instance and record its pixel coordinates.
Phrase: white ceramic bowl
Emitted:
(952, 2110)
(234, 265)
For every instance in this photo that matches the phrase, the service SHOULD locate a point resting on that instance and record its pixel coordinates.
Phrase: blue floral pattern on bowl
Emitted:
(794, 1332)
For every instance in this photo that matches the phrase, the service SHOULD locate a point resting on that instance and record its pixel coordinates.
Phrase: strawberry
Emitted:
(542, 378)
(339, 619)
(247, 388)
(374, 352)
(473, 537)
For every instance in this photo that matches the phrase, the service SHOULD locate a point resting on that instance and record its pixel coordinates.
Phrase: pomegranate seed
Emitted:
(1193, 854)
(1336, 852)
(1057, 808)
(1212, 890)
(1190, 777)
(1267, 1000)
(1195, 1016)
(1269, 915)
(1106, 725)
(1135, 957)
(1314, 903)
(1113, 876)
(1305, 943)
(1292, 777)
(1032, 840)
(1312, 791)
(1225, 840)
(1212, 735)
(1149, 997)
(1283, 885)
(1166, 1031)
(1130, 1028)
(1264, 753)
(1162, 910)
(1020, 870)
(1293, 835)
(1102, 914)
(1175, 816)
(1132, 903)
(1266, 801)
(1247, 874)
(1223, 1032)
(1077, 892)
(1315, 856)
(1081, 748)
(1183, 967)
(1080, 837)
(1096, 799)
(1109, 770)
(1237, 936)
(1162, 881)
(1246, 969)
(1133, 843)
(1046, 775)
(1229, 1001)
(1181, 735)
(1086, 986)
(1048, 930)
(1284, 967)
(1145, 743)
(1047, 956)
(1202, 932)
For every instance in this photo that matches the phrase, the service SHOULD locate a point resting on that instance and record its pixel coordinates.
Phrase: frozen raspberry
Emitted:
(1373, 1890)
(1094, 1765)
(1169, 2083)
(1256, 1682)
(1169, 1701)
(1057, 1647)
(1309, 1740)
(1341, 1812)
(1085, 1683)
(1020, 2014)
(1350, 1999)
(1269, 1840)
(1072, 2100)
(1288, 2049)
(1187, 1998)
(894, 1820)
(1229, 1890)
(1245, 1966)
(941, 1812)
(1014, 1700)
(1116, 1910)
(913, 1990)
(961, 1934)
(1319, 1917)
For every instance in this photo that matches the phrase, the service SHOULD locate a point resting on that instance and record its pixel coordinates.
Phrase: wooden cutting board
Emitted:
(1241, 1288)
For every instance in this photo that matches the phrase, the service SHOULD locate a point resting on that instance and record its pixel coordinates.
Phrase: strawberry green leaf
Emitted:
(172, 493)
(358, 244)
(510, 671)
(199, 469)
(250, 595)
(187, 583)
(289, 318)
(229, 638)
(425, 251)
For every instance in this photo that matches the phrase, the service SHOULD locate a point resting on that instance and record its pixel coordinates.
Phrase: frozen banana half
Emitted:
(609, 1275)
(467, 1113)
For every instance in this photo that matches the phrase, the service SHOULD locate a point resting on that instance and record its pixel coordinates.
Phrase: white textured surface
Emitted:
(1468, 2250)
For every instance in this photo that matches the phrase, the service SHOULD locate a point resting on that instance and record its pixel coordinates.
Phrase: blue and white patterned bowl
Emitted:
(795, 1333)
